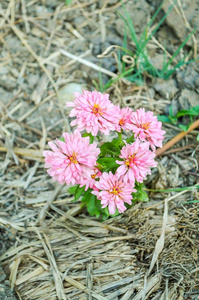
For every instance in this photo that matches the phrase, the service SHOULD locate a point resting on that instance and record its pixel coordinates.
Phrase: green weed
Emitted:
(174, 119)
(142, 64)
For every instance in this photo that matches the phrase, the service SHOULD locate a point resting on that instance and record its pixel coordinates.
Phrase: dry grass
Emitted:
(135, 255)
(56, 250)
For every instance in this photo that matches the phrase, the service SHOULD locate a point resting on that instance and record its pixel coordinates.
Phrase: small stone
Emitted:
(138, 11)
(2, 275)
(166, 88)
(66, 93)
(40, 10)
(175, 20)
(188, 98)
(32, 80)
(157, 61)
(8, 82)
(189, 77)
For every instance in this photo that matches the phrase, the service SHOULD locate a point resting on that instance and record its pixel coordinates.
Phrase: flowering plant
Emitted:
(108, 177)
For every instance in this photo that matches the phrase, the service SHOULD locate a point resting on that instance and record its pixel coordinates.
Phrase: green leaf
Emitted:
(62, 139)
(72, 190)
(108, 163)
(173, 119)
(141, 194)
(130, 140)
(193, 111)
(91, 206)
(197, 138)
(184, 127)
(78, 192)
(92, 203)
(171, 111)
(163, 119)
(112, 148)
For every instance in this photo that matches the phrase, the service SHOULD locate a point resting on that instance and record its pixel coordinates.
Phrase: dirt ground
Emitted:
(50, 248)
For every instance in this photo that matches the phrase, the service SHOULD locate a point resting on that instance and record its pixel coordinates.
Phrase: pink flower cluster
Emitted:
(74, 160)
(95, 113)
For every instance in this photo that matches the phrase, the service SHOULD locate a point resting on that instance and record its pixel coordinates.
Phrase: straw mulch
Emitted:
(149, 252)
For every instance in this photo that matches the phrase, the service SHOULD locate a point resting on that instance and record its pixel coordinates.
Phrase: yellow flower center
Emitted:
(73, 159)
(145, 126)
(130, 160)
(97, 110)
(121, 122)
(93, 176)
(115, 191)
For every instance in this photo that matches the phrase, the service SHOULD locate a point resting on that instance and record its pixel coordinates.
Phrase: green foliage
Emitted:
(112, 148)
(173, 119)
(62, 139)
(93, 205)
(77, 191)
(107, 164)
(141, 195)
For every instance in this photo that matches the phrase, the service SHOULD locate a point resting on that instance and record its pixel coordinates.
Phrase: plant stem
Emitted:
(177, 138)
(120, 137)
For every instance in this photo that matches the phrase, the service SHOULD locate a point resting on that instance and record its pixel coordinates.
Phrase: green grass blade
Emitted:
(179, 48)
(189, 202)
(174, 190)
(150, 23)
(178, 65)
(111, 81)
(139, 49)
(128, 22)
(158, 25)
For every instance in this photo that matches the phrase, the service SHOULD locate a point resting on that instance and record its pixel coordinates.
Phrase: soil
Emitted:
(36, 80)
(5, 291)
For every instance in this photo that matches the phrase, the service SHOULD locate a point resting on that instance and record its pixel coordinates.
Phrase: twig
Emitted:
(88, 63)
(177, 138)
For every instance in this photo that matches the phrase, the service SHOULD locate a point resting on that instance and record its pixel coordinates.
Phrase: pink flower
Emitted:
(113, 192)
(136, 163)
(124, 120)
(94, 112)
(90, 183)
(73, 160)
(146, 126)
